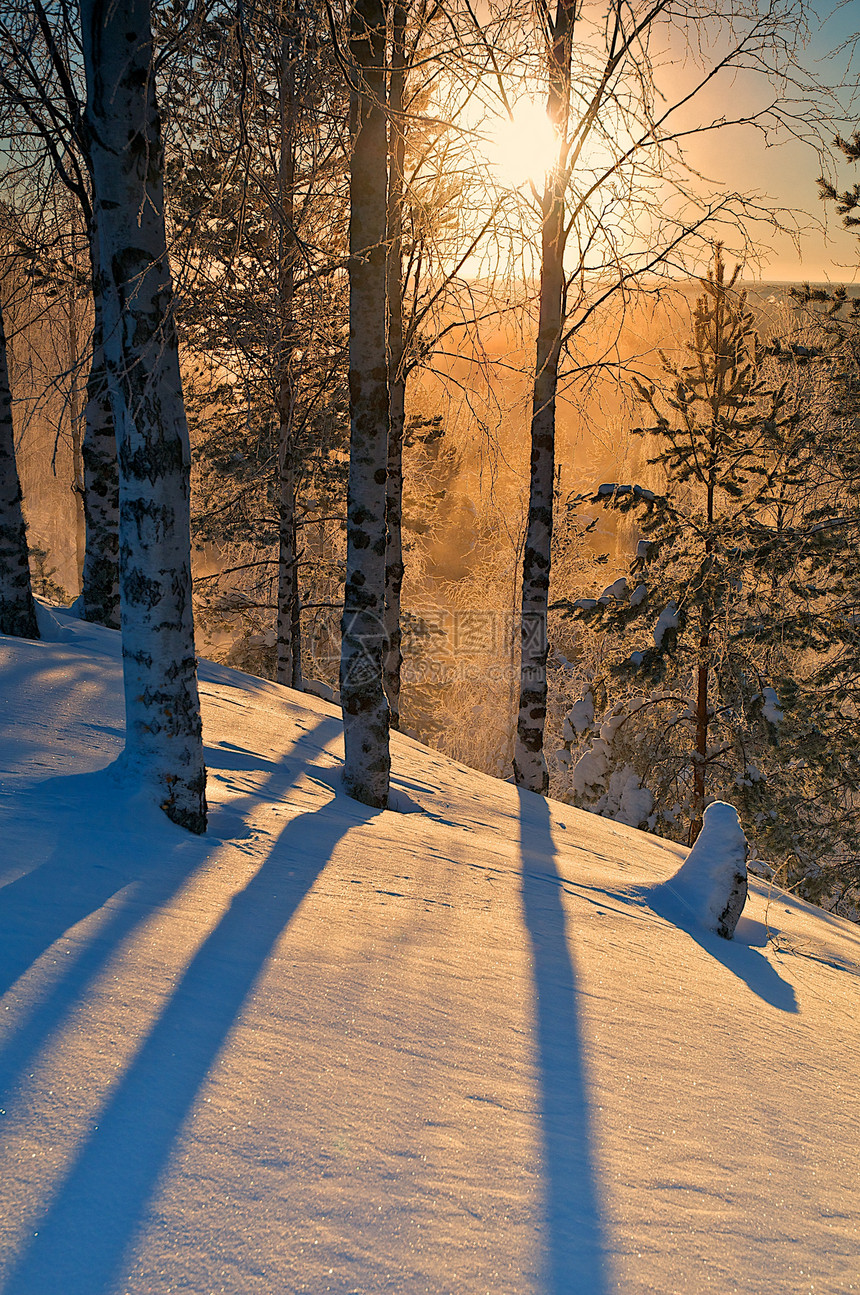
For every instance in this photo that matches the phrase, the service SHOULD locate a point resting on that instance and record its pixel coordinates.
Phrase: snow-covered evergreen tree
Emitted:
(816, 782)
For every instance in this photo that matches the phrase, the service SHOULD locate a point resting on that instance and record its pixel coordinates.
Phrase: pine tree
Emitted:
(700, 697)
(262, 317)
(816, 782)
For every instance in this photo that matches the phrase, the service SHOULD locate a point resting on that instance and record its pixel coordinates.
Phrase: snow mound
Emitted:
(713, 879)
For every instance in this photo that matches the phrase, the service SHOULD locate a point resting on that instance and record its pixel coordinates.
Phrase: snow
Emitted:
(771, 709)
(668, 619)
(616, 592)
(591, 767)
(316, 688)
(712, 881)
(468, 1046)
(749, 776)
(640, 593)
(579, 718)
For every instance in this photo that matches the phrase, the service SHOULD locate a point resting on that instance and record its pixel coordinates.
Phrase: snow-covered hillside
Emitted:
(473, 1046)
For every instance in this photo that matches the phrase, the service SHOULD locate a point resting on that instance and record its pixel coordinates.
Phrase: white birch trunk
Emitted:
(163, 733)
(17, 609)
(529, 761)
(367, 762)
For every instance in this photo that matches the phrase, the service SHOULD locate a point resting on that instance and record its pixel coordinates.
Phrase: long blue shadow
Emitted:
(40, 907)
(746, 963)
(43, 904)
(575, 1249)
(81, 1242)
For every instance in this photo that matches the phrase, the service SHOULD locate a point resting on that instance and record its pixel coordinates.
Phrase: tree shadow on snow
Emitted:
(47, 903)
(738, 955)
(79, 1246)
(574, 1251)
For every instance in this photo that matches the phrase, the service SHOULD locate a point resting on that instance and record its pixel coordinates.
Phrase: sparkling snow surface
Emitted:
(448, 1050)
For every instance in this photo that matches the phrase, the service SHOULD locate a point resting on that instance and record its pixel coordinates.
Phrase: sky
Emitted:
(791, 234)
(784, 171)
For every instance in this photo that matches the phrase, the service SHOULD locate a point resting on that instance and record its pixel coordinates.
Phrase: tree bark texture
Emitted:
(394, 570)
(289, 649)
(289, 642)
(76, 434)
(163, 732)
(530, 768)
(100, 579)
(700, 759)
(367, 762)
(17, 608)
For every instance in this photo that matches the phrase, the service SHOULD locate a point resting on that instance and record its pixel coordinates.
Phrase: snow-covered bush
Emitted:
(712, 881)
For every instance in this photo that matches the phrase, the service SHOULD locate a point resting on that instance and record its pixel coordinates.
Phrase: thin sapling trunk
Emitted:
(17, 608)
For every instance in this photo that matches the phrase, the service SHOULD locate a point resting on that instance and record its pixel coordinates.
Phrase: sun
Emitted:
(523, 146)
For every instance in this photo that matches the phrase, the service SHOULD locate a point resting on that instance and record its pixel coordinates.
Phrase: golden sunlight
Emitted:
(524, 146)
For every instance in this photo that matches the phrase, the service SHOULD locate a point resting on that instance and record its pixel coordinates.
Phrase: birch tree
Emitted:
(367, 762)
(529, 763)
(624, 200)
(163, 730)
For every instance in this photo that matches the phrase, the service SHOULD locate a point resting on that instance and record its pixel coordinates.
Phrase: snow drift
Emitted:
(456, 1048)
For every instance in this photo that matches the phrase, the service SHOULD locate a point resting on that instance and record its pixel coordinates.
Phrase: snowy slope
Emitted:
(473, 1047)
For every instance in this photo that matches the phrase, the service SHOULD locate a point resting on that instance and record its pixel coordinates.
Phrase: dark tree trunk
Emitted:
(702, 719)
(76, 437)
(17, 609)
(289, 649)
(367, 762)
(703, 714)
(164, 747)
(393, 660)
(289, 661)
